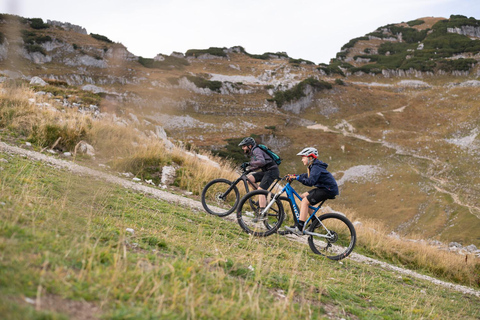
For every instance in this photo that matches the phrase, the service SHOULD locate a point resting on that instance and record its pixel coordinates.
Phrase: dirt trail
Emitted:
(197, 206)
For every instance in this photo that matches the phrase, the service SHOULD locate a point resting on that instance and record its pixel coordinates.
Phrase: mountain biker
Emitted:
(259, 159)
(316, 176)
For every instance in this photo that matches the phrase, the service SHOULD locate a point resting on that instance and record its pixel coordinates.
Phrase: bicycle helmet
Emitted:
(248, 141)
(309, 152)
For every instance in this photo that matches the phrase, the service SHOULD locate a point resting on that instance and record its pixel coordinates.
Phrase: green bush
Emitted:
(212, 50)
(37, 23)
(334, 67)
(268, 55)
(415, 23)
(232, 151)
(169, 63)
(30, 37)
(368, 68)
(352, 42)
(298, 91)
(300, 61)
(459, 64)
(100, 38)
(409, 35)
(2, 38)
(36, 48)
(204, 83)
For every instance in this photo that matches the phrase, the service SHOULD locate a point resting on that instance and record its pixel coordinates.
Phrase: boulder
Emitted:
(38, 81)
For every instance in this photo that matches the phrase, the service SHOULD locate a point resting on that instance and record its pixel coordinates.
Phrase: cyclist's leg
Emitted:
(267, 179)
(251, 181)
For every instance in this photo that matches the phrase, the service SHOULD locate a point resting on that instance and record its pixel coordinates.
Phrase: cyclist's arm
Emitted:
(315, 173)
(258, 160)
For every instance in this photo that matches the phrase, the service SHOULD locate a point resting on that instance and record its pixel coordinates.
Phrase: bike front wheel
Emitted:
(332, 235)
(250, 221)
(220, 197)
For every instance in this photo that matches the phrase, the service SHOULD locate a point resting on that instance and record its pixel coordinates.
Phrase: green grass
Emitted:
(63, 238)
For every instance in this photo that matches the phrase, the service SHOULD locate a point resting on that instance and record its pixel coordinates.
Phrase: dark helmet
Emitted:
(248, 141)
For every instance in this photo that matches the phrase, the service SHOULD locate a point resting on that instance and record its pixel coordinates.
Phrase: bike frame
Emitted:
(243, 177)
(246, 182)
(291, 194)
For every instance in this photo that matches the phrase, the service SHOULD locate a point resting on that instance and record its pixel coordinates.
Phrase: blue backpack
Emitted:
(272, 154)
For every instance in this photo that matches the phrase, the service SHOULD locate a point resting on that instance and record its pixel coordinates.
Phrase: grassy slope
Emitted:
(63, 241)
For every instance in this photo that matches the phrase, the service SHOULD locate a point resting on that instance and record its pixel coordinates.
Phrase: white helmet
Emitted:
(309, 152)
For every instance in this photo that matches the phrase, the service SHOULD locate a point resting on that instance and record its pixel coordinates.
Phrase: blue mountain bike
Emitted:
(331, 234)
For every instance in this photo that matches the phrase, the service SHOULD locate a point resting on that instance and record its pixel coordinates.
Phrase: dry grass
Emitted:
(415, 253)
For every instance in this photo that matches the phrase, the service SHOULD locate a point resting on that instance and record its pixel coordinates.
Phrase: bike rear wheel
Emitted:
(216, 201)
(262, 226)
(334, 237)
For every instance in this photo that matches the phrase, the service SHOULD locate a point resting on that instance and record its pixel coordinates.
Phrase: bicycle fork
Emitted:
(274, 198)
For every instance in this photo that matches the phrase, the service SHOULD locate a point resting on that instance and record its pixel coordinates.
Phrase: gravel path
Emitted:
(197, 206)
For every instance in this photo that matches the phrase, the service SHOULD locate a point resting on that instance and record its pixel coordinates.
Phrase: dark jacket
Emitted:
(261, 160)
(319, 177)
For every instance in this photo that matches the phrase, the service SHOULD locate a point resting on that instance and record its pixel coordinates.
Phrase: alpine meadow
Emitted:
(104, 156)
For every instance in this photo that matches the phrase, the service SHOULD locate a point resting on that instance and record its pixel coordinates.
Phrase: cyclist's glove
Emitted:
(291, 177)
(244, 166)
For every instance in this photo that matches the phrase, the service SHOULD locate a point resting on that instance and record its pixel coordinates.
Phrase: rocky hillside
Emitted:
(395, 114)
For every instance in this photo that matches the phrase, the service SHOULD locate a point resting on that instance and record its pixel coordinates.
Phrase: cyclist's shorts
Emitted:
(316, 195)
(266, 178)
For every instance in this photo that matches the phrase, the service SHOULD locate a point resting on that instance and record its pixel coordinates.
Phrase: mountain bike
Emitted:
(331, 234)
(220, 197)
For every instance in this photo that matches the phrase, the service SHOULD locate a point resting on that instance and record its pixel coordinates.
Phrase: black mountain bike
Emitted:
(220, 197)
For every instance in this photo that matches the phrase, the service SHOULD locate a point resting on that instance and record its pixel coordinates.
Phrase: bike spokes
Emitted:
(255, 222)
(333, 236)
(220, 198)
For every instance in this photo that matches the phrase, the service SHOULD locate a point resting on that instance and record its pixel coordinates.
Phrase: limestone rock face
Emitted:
(469, 31)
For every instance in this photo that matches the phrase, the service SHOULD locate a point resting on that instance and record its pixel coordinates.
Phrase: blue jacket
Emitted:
(319, 177)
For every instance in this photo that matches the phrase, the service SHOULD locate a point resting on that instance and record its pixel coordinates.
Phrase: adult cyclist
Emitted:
(259, 160)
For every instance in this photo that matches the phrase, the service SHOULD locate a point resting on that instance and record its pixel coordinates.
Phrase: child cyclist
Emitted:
(318, 177)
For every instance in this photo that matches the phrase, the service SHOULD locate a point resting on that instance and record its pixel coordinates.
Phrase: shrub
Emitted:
(368, 68)
(334, 67)
(37, 23)
(341, 55)
(36, 48)
(339, 82)
(454, 65)
(100, 37)
(300, 61)
(212, 50)
(298, 91)
(204, 83)
(169, 63)
(232, 151)
(269, 55)
(352, 42)
(409, 35)
(30, 37)
(2, 38)
(415, 23)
